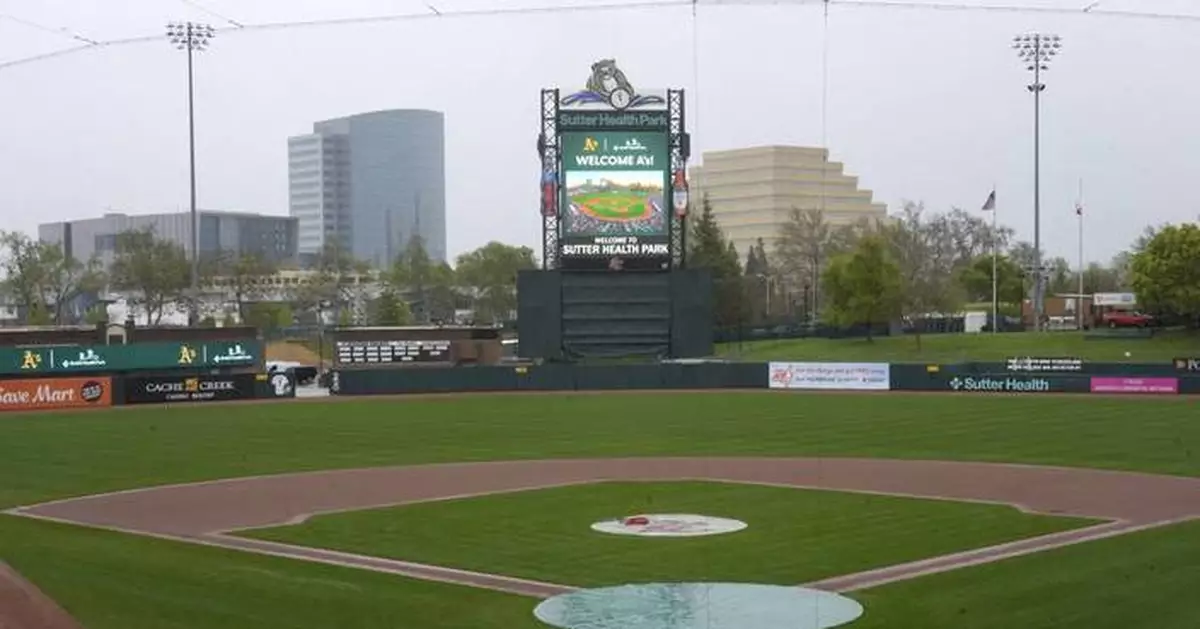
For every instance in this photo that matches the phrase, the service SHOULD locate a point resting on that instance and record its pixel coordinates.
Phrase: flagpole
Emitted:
(995, 280)
(1079, 215)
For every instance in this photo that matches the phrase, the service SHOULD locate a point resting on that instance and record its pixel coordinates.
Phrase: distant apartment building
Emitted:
(271, 237)
(368, 182)
(753, 190)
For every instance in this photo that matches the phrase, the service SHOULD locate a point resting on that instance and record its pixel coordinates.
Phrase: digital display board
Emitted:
(386, 352)
(615, 195)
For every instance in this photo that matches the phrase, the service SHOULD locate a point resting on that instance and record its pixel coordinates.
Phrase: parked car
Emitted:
(1131, 319)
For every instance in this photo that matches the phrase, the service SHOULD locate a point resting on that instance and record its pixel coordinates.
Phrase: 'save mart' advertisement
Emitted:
(55, 393)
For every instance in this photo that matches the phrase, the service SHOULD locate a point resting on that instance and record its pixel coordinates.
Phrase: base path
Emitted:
(23, 606)
(206, 512)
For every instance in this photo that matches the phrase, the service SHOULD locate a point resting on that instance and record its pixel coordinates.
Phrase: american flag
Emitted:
(990, 204)
(1078, 209)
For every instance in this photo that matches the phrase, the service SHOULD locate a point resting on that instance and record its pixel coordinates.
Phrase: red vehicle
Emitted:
(1127, 319)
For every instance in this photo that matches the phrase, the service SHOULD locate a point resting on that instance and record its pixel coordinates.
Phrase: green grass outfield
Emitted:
(119, 581)
(957, 348)
(794, 536)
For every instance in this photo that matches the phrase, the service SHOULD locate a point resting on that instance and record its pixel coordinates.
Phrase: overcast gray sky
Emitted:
(922, 104)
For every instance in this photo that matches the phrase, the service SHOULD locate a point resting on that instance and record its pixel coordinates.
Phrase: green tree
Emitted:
(42, 281)
(930, 259)
(976, 280)
(708, 248)
(268, 317)
(863, 286)
(151, 272)
(426, 285)
(388, 309)
(1166, 272)
(489, 275)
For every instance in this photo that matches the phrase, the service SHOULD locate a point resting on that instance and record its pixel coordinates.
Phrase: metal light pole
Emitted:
(1035, 51)
(192, 37)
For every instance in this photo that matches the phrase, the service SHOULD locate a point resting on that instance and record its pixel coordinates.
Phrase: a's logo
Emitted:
(281, 384)
(31, 360)
(590, 145)
(187, 355)
(609, 85)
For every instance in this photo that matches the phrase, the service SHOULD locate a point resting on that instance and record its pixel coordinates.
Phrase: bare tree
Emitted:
(807, 241)
(928, 254)
(339, 282)
(153, 273)
(246, 276)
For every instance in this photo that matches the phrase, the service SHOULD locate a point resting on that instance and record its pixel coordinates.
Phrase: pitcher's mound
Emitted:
(698, 606)
(669, 525)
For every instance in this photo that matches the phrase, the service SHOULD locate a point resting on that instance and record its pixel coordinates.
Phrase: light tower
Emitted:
(1035, 51)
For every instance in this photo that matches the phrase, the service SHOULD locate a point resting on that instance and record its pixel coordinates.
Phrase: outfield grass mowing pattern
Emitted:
(48, 456)
(795, 536)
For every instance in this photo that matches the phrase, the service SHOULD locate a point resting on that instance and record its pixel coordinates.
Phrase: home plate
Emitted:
(669, 525)
(698, 606)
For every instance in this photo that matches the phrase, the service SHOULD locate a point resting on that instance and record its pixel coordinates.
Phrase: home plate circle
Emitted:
(669, 525)
(698, 606)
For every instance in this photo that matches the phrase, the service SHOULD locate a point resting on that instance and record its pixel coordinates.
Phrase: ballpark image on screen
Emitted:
(615, 203)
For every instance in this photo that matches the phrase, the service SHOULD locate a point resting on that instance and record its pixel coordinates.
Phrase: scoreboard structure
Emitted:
(614, 202)
(391, 347)
(614, 175)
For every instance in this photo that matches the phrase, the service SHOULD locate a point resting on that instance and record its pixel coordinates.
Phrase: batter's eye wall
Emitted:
(578, 314)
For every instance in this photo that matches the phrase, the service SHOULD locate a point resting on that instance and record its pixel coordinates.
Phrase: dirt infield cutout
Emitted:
(207, 512)
(24, 606)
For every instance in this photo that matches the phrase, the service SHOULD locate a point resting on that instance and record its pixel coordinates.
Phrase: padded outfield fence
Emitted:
(1018, 376)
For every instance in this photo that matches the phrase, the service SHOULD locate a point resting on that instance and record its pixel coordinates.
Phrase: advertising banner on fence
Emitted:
(1135, 385)
(55, 393)
(831, 376)
(1007, 384)
(160, 389)
(30, 361)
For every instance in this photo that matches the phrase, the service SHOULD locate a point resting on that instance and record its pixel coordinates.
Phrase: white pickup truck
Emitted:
(305, 374)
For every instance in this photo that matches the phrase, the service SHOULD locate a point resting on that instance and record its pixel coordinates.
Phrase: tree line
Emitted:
(917, 263)
(45, 286)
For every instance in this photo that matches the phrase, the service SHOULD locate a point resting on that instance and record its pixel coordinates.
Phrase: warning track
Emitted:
(207, 512)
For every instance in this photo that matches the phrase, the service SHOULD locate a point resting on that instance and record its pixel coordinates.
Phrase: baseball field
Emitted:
(614, 205)
(933, 511)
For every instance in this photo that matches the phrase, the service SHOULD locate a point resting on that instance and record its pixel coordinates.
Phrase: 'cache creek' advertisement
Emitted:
(161, 389)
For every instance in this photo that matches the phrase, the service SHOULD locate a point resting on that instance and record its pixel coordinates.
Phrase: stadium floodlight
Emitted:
(1036, 50)
(192, 37)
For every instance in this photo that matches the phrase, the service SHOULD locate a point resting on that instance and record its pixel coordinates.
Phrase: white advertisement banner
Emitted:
(831, 376)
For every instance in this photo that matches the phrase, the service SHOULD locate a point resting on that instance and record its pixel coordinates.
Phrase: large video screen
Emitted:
(615, 195)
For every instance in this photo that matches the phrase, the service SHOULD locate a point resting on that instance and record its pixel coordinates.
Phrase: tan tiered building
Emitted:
(753, 190)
